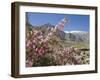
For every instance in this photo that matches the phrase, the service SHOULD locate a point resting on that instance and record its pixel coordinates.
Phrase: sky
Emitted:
(76, 22)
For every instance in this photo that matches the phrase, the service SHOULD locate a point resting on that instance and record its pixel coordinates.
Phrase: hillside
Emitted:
(76, 39)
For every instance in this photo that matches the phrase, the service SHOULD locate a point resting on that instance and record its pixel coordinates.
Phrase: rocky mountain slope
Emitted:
(71, 38)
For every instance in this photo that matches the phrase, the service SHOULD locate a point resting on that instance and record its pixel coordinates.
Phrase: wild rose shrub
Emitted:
(41, 51)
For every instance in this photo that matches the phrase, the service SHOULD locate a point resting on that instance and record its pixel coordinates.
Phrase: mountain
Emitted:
(47, 25)
(71, 36)
(77, 36)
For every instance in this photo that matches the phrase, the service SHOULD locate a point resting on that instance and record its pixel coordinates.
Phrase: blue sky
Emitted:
(76, 22)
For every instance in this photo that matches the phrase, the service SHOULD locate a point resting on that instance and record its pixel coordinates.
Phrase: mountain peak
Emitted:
(75, 31)
(48, 25)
